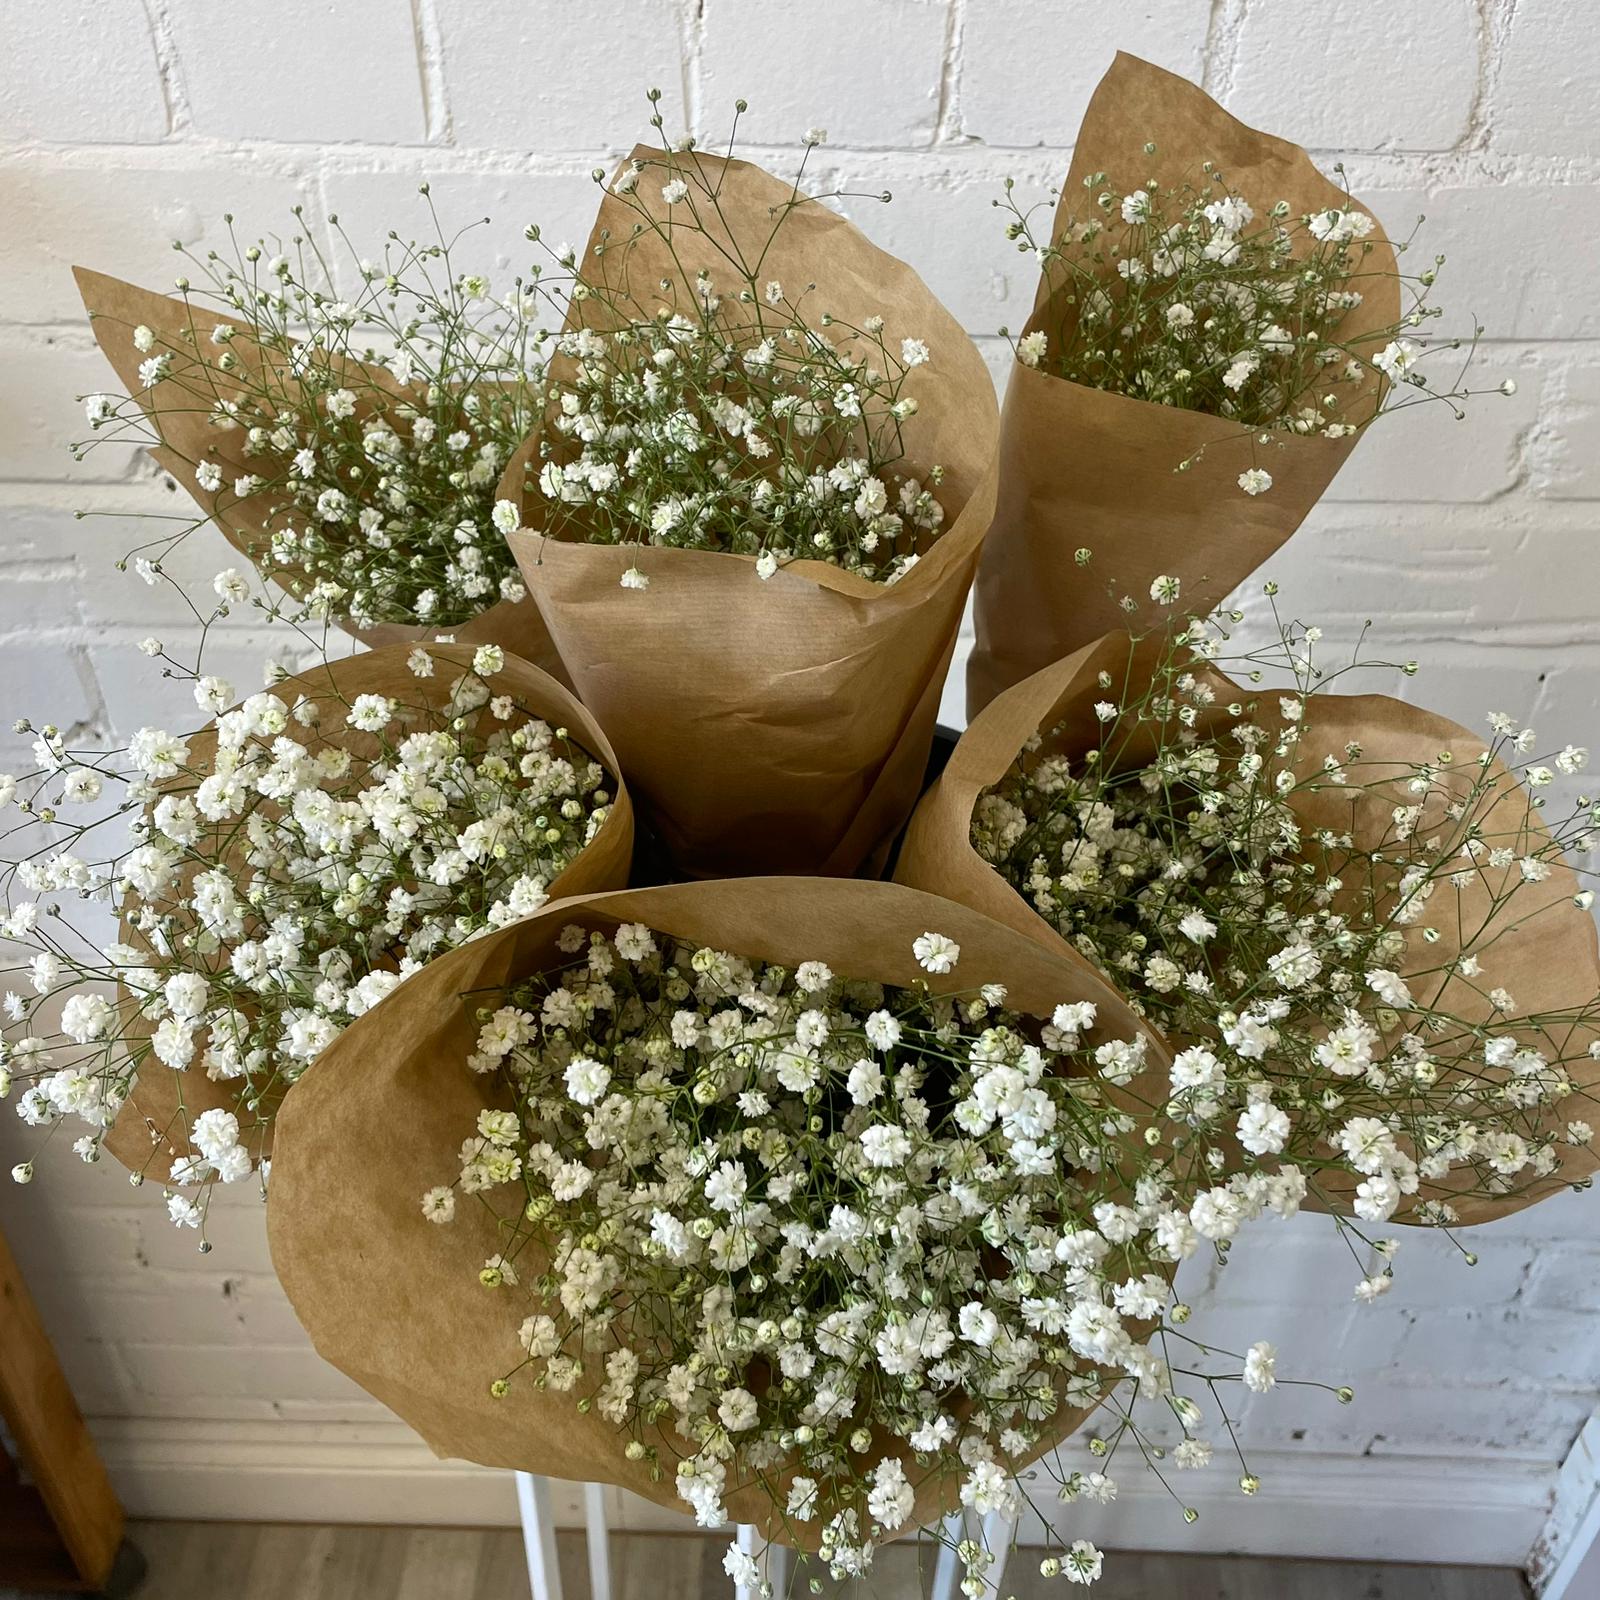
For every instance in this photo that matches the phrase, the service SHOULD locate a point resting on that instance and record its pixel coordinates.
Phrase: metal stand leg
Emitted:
(594, 1518)
(947, 1571)
(539, 1536)
(947, 1568)
(772, 1559)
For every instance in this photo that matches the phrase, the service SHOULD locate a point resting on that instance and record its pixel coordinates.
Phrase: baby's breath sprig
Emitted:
(1184, 296)
(355, 442)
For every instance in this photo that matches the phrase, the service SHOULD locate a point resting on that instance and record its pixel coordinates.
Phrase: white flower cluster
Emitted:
(738, 428)
(288, 868)
(1193, 882)
(793, 1217)
(1184, 297)
(373, 472)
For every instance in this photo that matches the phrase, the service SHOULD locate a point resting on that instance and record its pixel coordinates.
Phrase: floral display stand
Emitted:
(534, 1502)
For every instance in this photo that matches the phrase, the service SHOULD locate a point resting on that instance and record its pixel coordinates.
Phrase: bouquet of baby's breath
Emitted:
(1353, 920)
(276, 875)
(1215, 326)
(349, 446)
(799, 1201)
(758, 491)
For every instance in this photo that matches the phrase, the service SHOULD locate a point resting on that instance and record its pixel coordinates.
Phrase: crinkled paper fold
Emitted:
(149, 1132)
(1542, 947)
(779, 725)
(393, 1300)
(1089, 469)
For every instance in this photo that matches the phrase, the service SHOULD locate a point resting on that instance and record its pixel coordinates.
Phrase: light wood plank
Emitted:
(276, 1562)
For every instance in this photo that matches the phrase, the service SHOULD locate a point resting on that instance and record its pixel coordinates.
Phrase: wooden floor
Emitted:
(193, 1561)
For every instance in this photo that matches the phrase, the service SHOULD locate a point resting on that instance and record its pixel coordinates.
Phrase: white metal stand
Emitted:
(996, 1534)
(539, 1538)
(534, 1502)
(774, 1561)
(598, 1535)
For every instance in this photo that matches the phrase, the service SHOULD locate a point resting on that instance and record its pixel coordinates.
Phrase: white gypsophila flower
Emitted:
(936, 953)
(1260, 1363)
(1397, 358)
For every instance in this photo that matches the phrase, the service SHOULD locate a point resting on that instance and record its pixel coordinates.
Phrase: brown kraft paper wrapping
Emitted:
(392, 1299)
(1544, 948)
(151, 1126)
(177, 410)
(1090, 469)
(778, 725)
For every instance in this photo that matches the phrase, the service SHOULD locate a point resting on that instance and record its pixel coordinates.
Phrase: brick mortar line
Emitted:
(1438, 168)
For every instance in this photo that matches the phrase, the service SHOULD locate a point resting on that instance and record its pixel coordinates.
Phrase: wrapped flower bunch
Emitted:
(1353, 921)
(1216, 325)
(759, 489)
(809, 1241)
(274, 876)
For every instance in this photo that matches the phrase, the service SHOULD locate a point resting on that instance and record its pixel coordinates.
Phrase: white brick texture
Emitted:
(128, 124)
(1333, 76)
(543, 75)
(81, 72)
(300, 71)
(872, 75)
(1027, 69)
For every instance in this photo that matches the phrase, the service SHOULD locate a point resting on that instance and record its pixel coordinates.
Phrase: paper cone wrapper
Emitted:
(779, 725)
(150, 1131)
(178, 410)
(1089, 469)
(1540, 946)
(393, 1301)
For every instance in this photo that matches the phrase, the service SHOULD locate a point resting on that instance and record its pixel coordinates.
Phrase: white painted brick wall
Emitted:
(129, 123)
